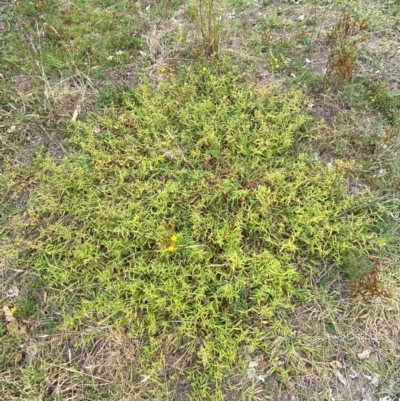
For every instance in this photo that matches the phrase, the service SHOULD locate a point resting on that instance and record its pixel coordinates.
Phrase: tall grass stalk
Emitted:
(208, 17)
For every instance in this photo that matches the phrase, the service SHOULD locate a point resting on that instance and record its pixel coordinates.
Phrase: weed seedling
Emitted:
(369, 283)
(343, 44)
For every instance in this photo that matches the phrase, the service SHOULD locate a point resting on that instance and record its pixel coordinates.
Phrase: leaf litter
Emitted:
(12, 326)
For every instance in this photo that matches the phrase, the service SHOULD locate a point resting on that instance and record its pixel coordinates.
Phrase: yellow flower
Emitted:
(180, 38)
(204, 69)
(162, 70)
(173, 238)
(277, 66)
(270, 37)
(276, 59)
(172, 248)
(13, 309)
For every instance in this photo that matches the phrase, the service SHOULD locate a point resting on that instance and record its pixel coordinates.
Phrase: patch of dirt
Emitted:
(324, 108)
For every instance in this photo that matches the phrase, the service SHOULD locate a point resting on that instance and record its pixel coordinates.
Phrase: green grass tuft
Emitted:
(188, 213)
(62, 37)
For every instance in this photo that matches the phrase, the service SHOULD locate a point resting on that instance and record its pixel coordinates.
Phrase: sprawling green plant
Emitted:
(189, 213)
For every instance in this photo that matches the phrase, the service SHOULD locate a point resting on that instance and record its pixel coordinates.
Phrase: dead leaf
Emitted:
(31, 352)
(169, 154)
(336, 365)
(365, 354)
(341, 378)
(145, 379)
(261, 378)
(251, 373)
(262, 365)
(18, 358)
(23, 330)
(290, 385)
(76, 112)
(13, 292)
(12, 325)
(251, 370)
(374, 379)
(353, 374)
(9, 316)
